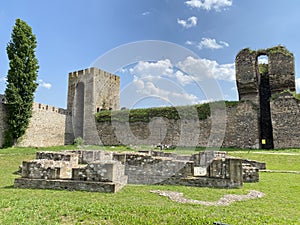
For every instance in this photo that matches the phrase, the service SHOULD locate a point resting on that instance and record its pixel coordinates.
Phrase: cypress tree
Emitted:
(21, 79)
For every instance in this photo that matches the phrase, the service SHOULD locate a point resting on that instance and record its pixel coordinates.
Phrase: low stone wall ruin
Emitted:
(104, 171)
(53, 170)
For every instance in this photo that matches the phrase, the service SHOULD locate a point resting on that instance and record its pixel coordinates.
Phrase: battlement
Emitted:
(40, 106)
(92, 71)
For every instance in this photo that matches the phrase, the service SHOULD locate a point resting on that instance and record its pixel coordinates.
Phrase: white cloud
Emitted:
(122, 70)
(200, 69)
(169, 82)
(262, 59)
(225, 44)
(157, 79)
(190, 22)
(183, 78)
(190, 43)
(146, 88)
(152, 69)
(145, 13)
(44, 84)
(211, 43)
(209, 4)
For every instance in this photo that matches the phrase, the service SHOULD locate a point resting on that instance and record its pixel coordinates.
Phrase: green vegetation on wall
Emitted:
(200, 111)
(276, 95)
(279, 49)
(263, 69)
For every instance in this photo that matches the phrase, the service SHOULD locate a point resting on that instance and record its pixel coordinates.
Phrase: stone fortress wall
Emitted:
(46, 126)
(241, 130)
(266, 116)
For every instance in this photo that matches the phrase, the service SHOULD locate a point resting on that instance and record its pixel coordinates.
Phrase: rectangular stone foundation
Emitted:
(70, 185)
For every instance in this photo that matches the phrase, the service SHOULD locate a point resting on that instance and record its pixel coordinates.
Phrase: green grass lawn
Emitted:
(134, 204)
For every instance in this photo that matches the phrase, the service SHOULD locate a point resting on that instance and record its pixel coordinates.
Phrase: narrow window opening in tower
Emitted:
(266, 129)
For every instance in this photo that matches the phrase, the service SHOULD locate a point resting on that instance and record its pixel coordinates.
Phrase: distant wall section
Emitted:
(46, 126)
(241, 130)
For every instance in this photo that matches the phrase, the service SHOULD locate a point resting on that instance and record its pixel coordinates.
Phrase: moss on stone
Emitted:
(200, 111)
(279, 49)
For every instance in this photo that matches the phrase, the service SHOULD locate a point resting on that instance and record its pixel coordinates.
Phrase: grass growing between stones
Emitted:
(134, 204)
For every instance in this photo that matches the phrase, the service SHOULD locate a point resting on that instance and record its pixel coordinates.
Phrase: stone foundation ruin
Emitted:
(67, 171)
(103, 171)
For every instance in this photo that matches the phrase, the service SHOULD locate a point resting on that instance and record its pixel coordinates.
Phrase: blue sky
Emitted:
(72, 34)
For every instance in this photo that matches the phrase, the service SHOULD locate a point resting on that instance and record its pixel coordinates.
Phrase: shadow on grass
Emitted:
(8, 187)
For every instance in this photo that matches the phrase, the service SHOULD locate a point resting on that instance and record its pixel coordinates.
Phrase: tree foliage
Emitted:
(21, 78)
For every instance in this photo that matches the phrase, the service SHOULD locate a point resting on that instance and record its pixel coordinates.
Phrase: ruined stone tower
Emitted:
(89, 91)
(258, 82)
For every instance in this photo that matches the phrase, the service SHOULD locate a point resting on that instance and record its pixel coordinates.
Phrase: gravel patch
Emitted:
(226, 200)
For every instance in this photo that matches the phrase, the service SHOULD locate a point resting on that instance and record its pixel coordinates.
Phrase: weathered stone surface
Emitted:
(46, 126)
(60, 170)
(89, 91)
(286, 121)
(241, 130)
(281, 72)
(70, 185)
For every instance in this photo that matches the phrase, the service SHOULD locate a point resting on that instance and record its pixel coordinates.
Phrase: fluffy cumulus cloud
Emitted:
(152, 69)
(149, 88)
(44, 84)
(190, 22)
(211, 43)
(209, 4)
(200, 69)
(158, 79)
(170, 82)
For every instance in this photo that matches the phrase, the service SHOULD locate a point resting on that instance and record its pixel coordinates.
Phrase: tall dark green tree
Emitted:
(21, 78)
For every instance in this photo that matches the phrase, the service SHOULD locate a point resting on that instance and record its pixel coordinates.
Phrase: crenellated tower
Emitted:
(89, 91)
